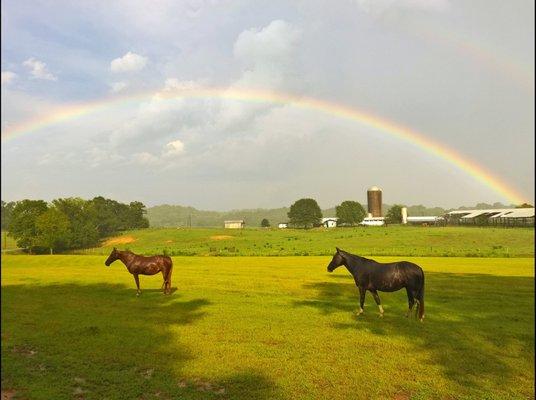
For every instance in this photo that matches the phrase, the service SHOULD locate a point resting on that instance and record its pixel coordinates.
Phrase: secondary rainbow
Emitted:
(411, 136)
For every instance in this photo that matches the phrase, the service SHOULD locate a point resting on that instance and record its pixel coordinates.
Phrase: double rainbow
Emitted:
(405, 134)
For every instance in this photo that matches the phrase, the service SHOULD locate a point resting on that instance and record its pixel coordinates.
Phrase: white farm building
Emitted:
(330, 222)
(234, 224)
(500, 216)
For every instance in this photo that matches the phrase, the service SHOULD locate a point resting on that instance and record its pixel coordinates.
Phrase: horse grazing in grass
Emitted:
(140, 265)
(385, 277)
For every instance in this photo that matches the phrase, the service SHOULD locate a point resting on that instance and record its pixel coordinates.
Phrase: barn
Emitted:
(330, 222)
(234, 224)
(500, 217)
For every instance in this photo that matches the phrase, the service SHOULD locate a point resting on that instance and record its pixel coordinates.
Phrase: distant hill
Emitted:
(171, 216)
(174, 215)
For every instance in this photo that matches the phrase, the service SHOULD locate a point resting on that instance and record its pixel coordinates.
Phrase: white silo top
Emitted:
(374, 189)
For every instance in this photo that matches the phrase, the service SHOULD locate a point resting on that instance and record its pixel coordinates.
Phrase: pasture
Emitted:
(393, 240)
(264, 328)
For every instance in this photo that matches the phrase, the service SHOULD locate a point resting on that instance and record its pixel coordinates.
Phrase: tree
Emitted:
(23, 222)
(137, 215)
(265, 223)
(7, 212)
(53, 230)
(350, 212)
(525, 205)
(305, 213)
(394, 215)
(82, 221)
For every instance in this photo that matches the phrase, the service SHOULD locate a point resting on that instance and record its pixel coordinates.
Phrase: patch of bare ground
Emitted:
(201, 385)
(24, 351)
(221, 237)
(401, 396)
(119, 240)
(8, 394)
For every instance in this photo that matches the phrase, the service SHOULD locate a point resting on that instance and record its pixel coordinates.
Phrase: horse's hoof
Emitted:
(380, 316)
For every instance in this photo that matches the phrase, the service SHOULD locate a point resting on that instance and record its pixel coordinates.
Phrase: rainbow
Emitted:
(405, 134)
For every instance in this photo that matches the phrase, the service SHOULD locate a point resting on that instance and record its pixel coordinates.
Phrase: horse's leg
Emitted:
(165, 282)
(415, 294)
(377, 300)
(362, 292)
(168, 279)
(411, 301)
(137, 279)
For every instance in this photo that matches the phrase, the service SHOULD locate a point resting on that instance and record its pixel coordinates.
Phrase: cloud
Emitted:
(380, 6)
(128, 63)
(174, 148)
(117, 87)
(146, 158)
(174, 84)
(169, 151)
(8, 77)
(38, 69)
(269, 47)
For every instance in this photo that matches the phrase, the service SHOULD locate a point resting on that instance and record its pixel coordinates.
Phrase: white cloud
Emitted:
(38, 69)
(129, 62)
(172, 84)
(174, 148)
(146, 158)
(380, 6)
(272, 44)
(8, 77)
(116, 87)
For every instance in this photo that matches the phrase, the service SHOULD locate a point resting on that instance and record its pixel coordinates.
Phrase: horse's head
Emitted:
(114, 255)
(336, 261)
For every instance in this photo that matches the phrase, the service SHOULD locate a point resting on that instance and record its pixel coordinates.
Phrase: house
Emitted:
(234, 224)
(282, 225)
(330, 222)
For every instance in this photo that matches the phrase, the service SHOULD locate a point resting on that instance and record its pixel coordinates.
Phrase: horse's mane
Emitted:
(355, 257)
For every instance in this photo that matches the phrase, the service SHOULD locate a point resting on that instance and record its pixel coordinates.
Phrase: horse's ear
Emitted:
(115, 249)
(338, 250)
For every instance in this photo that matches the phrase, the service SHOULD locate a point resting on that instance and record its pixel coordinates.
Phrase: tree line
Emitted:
(69, 223)
(306, 213)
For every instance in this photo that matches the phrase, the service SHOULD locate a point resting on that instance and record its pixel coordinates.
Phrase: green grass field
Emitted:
(375, 241)
(264, 328)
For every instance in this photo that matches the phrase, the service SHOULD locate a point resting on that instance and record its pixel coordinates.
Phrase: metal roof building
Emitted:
(500, 216)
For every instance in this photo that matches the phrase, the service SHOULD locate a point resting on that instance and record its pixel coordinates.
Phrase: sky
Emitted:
(459, 74)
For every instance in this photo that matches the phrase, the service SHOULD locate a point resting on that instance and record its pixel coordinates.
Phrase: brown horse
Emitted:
(140, 265)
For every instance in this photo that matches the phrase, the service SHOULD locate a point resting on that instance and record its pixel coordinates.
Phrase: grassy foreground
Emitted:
(378, 241)
(263, 328)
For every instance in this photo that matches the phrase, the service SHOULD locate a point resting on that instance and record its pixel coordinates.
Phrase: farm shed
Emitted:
(282, 225)
(425, 220)
(330, 222)
(234, 224)
(500, 216)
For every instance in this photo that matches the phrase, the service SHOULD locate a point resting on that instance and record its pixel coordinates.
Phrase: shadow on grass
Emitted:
(100, 341)
(470, 320)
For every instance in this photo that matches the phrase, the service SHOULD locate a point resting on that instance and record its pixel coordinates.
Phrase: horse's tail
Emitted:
(420, 298)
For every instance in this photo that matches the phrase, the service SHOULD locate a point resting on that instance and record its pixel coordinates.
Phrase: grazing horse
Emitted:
(140, 265)
(385, 277)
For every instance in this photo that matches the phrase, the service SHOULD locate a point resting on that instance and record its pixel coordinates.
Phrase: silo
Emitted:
(404, 215)
(374, 200)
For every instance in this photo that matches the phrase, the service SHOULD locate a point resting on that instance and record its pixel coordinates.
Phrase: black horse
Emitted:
(385, 277)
